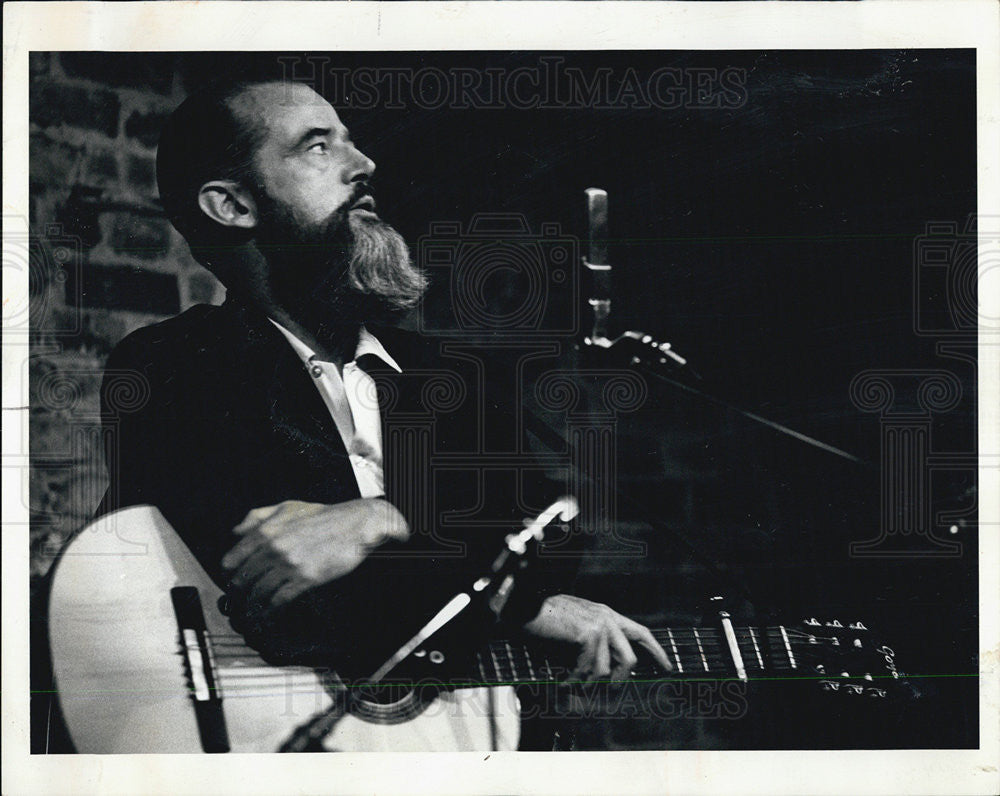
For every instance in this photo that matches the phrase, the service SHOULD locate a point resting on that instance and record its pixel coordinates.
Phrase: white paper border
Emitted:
(315, 26)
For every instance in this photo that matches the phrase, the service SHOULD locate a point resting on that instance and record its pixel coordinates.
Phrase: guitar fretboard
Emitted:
(693, 651)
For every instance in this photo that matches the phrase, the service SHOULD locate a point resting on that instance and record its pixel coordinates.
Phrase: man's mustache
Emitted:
(362, 190)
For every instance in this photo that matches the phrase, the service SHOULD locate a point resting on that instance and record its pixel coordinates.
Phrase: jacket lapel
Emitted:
(293, 404)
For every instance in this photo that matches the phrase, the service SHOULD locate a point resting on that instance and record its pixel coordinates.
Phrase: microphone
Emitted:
(640, 347)
(596, 262)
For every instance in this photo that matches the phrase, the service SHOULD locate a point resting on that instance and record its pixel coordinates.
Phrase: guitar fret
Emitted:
(548, 668)
(701, 650)
(531, 669)
(510, 655)
(496, 665)
(505, 665)
(677, 657)
(482, 669)
(756, 648)
(788, 646)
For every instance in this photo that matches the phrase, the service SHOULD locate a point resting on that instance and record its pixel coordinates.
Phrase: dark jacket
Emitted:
(211, 414)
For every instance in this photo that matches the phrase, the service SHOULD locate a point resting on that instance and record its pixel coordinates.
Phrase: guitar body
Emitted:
(123, 685)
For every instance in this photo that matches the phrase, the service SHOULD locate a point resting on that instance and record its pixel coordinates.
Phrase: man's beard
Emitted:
(347, 270)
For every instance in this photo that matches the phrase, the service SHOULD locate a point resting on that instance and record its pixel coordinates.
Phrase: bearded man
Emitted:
(261, 441)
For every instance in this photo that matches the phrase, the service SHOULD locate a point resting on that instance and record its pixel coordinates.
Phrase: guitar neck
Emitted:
(695, 652)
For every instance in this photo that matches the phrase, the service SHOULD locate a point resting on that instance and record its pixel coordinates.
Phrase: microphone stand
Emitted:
(653, 358)
(490, 592)
(659, 361)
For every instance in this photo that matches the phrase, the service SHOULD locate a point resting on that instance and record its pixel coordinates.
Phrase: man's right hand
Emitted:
(290, 548)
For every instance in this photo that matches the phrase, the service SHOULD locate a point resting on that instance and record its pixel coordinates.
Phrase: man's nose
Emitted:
(362, 167)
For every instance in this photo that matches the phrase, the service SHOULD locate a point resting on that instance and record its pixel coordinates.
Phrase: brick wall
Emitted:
(104, 262)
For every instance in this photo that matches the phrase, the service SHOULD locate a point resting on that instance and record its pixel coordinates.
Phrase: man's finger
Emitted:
(390, 524)
(602, 659)
(585, 661)
(642, 635)
(242, 550)
(255, 566)
(262, 592)
(288, 592)
(624, 653)
(254, 518)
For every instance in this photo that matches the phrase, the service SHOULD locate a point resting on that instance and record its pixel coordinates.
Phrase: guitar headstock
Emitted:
(845, 658)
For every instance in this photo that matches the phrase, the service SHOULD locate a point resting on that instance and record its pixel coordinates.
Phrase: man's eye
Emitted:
(319, 146)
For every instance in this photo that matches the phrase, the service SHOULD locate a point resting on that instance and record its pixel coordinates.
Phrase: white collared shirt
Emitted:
(352, 402)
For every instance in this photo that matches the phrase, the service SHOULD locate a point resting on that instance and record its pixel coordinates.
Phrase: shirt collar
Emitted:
(367, 344)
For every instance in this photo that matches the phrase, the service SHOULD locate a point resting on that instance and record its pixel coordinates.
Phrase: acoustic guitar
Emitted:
(144, 662)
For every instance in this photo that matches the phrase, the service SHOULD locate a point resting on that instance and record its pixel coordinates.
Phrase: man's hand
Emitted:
(295, 546)
(602, 634)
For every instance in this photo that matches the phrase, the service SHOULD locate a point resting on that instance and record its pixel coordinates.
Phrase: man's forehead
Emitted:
(286, 109)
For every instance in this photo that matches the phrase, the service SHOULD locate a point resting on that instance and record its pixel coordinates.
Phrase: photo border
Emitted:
(550, 26)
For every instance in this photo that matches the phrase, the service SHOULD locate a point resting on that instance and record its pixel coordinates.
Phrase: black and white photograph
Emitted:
(550, 403)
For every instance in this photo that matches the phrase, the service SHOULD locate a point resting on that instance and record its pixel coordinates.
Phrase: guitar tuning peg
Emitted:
(812, 621)
(856, 626)
(834, 623)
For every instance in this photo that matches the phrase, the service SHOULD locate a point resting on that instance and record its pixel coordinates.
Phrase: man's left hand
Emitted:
(603, 636)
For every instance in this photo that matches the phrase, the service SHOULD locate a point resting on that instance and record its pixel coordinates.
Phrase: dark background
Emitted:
(774, 243)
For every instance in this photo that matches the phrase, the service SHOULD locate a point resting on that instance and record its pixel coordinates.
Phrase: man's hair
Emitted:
(203, 140)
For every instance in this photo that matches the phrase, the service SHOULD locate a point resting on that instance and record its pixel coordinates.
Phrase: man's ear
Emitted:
(228, 203)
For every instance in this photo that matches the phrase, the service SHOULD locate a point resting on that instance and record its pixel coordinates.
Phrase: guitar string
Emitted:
(688, 629)
(520, 657)
(227, 668)
(714, 650)
(664, 633)
(722, 667)
(513, 655)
